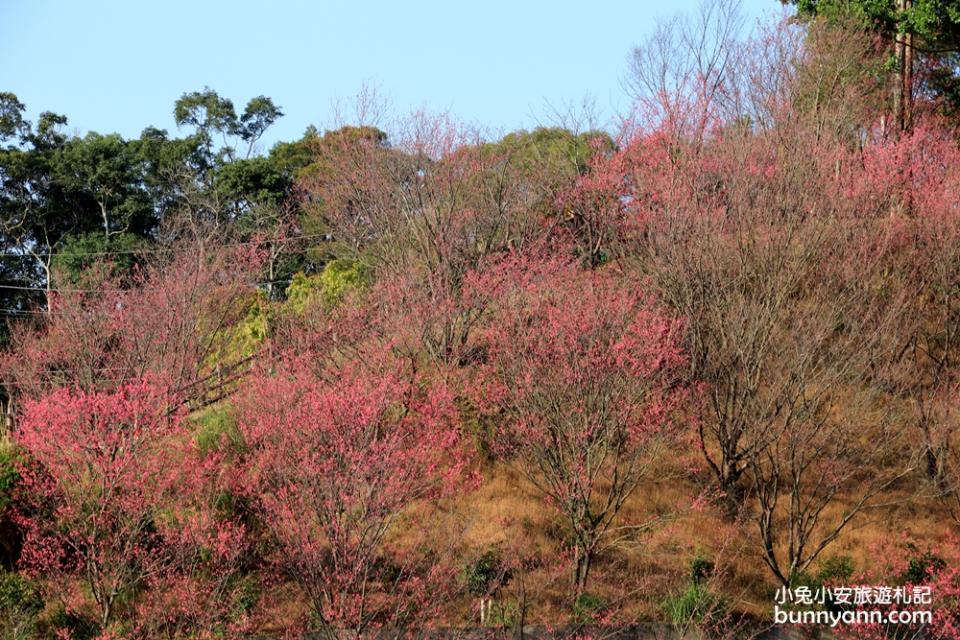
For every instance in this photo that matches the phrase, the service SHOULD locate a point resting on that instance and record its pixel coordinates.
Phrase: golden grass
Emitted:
(639, 572)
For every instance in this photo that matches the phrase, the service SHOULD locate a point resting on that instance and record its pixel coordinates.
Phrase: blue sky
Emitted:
(119, 65)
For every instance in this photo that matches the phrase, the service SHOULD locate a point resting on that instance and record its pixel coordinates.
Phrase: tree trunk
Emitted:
(903, 54)
(48, 293)
(581, 569)
(106, 224)
(935, 455)
(733, 492)
(8, 419)
(899, 59)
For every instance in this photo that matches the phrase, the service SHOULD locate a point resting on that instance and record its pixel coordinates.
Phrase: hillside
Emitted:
(404, 376)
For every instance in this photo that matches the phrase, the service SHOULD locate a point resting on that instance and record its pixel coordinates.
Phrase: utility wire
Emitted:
(120, 252)
(70, 290)
(12, 287)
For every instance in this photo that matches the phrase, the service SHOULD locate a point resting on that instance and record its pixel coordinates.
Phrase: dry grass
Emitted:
(640, 571)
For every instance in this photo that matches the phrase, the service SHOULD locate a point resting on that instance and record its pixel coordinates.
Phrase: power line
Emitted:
(70, 290)
(120, 252)
(14, 313)
(23, 312)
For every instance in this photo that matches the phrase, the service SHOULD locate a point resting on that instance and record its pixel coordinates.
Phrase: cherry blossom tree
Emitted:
(583, 366)
(209, 585)
(174, 322)
(340, 450)
(100, 467)
(116, 495)
(786, 260)
(914, 179)
(923, 577)
(423, 213)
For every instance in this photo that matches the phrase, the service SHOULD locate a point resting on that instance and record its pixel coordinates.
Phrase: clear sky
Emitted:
(119, 65)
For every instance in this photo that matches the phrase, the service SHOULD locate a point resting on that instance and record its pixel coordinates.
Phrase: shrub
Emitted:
(254, 328)
(486, 574)
(696, 605)
(506, 615)
(217, 432)
(835, 569)
(9, 474)
(922, 567)
(339, 276)
(587, 607)
(329, 286)
(700, 570)
(70, 624)
(20, 603)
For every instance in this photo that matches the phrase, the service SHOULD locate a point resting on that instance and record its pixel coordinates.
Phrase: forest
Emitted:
(403, 375)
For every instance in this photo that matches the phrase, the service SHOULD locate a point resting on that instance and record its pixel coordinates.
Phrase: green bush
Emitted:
(329, 286)
(922, 567)
(505, 615)
(217, 431)
(835, 569)
(9, 473)
(253, 329)
(697, 604)
(339, 276)
(20, 604)
(78, 627)
(247, 595)
(700, 570)
(804, 579)
(587, 606)
(486, 574)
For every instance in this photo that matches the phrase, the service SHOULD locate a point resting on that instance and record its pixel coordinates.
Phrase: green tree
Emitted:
(212, 115)
(918, 33)
(107, 171)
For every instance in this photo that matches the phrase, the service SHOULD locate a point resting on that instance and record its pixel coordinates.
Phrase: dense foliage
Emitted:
(355, 382)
